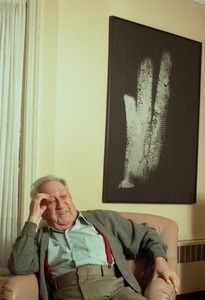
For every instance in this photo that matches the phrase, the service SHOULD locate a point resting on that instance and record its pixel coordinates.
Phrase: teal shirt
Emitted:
(78, 246)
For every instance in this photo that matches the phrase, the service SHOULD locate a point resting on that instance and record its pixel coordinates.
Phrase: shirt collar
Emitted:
(81, 219)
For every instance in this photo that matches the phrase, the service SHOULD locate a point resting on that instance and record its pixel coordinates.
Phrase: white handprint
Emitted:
(146, 121)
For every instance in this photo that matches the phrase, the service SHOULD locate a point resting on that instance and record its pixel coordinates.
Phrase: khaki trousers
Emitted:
(93, 283)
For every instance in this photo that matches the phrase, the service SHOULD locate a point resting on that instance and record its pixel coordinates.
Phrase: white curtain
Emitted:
(12, 42)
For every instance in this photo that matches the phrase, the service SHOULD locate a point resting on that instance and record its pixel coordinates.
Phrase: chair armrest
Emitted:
(158, 289)
(165, 227)
(20, 287)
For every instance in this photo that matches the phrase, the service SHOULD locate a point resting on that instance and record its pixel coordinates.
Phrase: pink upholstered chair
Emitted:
(21, 287)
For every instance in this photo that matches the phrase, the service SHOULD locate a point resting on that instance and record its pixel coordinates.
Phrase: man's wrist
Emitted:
(160, 259)
(33, 219)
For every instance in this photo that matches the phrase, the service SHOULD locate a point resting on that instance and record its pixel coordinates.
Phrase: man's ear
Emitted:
(43, 216)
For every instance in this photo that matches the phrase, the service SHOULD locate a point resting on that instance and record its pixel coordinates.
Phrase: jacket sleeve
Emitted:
(24, 259)
(132, 238)
(138, 239)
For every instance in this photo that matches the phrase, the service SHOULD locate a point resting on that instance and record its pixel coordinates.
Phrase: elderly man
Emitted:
(81, 255)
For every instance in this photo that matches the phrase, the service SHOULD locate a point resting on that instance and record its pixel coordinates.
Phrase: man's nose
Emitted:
(59, 202)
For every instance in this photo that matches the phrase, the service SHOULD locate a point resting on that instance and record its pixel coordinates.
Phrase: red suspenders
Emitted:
(107, 250)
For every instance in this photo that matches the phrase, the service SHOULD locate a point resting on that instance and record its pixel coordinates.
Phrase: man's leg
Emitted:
(127, 293)
(93, 283)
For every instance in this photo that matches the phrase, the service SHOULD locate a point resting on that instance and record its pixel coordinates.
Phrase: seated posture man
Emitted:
(81, 255)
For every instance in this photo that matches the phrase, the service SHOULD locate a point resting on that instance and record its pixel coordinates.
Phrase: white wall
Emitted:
(74, 60)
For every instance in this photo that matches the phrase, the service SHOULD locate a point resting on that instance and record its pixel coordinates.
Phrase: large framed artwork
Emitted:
(152, 121)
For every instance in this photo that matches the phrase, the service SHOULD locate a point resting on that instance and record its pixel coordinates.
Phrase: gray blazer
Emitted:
(126, 238)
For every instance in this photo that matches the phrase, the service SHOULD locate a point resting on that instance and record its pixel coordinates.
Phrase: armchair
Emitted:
(24, 287)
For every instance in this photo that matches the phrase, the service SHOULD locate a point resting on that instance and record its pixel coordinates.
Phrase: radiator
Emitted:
(191, 265)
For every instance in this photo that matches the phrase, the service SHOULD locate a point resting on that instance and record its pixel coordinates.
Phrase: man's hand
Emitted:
(37, 207)
(161, 269)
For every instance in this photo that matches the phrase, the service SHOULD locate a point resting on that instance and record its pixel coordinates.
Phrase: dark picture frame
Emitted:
(152, 119)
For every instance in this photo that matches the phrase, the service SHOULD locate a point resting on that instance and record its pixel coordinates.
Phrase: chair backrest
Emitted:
(165, 227)
(26, 287)
(168, 231)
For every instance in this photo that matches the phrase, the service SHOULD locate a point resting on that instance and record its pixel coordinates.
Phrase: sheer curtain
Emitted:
(12, 43)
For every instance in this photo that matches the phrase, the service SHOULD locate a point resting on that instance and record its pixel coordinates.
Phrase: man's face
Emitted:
(60, 211)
